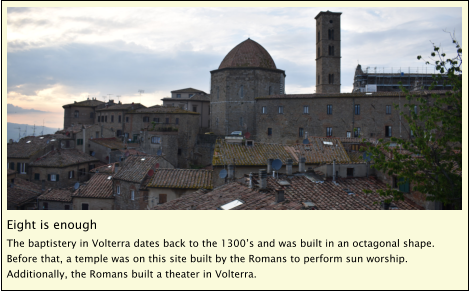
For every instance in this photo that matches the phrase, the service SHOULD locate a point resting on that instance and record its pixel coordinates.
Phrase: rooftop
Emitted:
(31, 145)
(22, 191)
(75, 128)
(111, 143)
(58, 195)
(107, 168)
(164, 110)
(198, 96)
(248, 54)
(188, 90)
(181, 178)
(121, 107)
(87, 103)
(99, 186)
(354, 94)
(136, 168)
(321, 150)
(62, 158)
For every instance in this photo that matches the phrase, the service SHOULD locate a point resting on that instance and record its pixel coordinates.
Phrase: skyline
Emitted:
(60, 55)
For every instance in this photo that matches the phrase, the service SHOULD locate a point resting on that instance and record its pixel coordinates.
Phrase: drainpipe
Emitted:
(333, 170)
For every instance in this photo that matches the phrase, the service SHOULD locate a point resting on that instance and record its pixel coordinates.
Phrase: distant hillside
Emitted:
(12, 131)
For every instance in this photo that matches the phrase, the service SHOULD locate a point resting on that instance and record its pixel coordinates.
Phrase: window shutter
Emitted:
(26, 167)
(12, 165)
(18, 167)
(57, 177)
(48, 177)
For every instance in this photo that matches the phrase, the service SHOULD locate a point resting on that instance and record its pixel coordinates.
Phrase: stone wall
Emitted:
(86, 115)
(54, 205)
(89, 134)
(63, 172)
(168, 145)
(123, 201)
(171, 194)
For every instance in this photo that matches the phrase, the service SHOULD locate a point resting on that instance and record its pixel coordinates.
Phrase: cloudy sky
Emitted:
(59, 55)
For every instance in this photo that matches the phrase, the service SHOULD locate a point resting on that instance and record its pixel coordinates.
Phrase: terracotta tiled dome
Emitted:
(248, 54)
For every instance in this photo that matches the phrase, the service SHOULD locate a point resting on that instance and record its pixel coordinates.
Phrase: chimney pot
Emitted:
(280, 196)
(301, 166)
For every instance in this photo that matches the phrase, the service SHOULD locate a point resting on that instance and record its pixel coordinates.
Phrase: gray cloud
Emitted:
(12, 109)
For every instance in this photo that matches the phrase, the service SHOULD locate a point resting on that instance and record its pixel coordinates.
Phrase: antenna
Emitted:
(42, 132)
(141, 91)
(34, 129)
(108, 96)
(104, 98)
(118, 97)
(19, 133)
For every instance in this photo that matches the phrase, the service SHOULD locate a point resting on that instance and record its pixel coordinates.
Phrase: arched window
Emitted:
(76, 114)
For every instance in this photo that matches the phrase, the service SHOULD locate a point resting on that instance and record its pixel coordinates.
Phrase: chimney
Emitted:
(302, 167)
(250, 180)
(263, 179)
(289, 166)
(269, 165)
(279, 196)
(231, 171)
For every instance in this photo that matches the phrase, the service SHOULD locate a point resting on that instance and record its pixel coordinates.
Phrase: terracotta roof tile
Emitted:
(135, 168)
(111, 143)
(63, 157)
(248, 54)
(320, 150)
(164, 110)
(22, 191)
(99, 186)
(181, 178)
(76, 128)
(121, 107)
(23, 149)
(59, 195)
(107, 168)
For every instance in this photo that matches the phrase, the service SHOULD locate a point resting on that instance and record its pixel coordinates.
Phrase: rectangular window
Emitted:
(349, 172)
(178, 95)
(45, 206)
(82, 171)
(155, 140)
(194, 109)
(167, 121)
(388, 109)
(119, 118)
(132, 195)
(66, 207)
(280, 109)
(36, 176)
(415, 109)
(162, 198)
(79, 142)
(105, 119)
(306, 109)
(112, 119)
(146, 119)
(301, 132)
(264, 109)
(22, 168)
(53, 177)
(349, 134)
(177, 121)
(156, 120)
(179, 151)
(84, 206)
(12, 165)
(357, 132)
(269, 132)
(329, 132)
(411, 134)
(118, 190)
(126, 119)
(387, 131)
(329, 109)
(357, 109)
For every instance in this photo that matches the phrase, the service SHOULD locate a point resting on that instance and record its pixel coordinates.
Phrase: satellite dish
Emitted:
(76, 186)
(223, 173)
(159, 152)
(47, 142)
(127, 153)
(305, 141)
(277, 164)
(150, 173)
(93, 154)
(157, 165)
(247, 135)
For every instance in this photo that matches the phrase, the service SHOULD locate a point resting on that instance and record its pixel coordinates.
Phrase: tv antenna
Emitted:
(42, 132)
(141, 91)
(19, 133)
(118, 97)
(104, 98)
(108, 96)
(34, 129)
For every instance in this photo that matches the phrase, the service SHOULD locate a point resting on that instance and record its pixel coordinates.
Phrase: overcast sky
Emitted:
(59, 55)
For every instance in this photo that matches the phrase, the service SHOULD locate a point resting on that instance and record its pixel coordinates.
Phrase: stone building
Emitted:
(162, 143)
(55, 199)
(169, 184)
(113, 117)
(192, 100)
(79, 136)
(246, 72)
(82, 112)
(95, 194)
(328, 52)
(62, 168)
(129, 183)
(107, 150)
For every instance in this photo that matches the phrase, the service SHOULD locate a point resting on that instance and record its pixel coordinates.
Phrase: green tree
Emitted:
(431, 159)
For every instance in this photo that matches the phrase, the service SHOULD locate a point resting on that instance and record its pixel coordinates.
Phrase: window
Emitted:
(118, 190)
(269, 131)
(388, 109)
(132, 195)
(241, 91)
(387, 131)
(319, 36)
(264, 109)
(90, 167)
(300, 133)
(105, 119)
(112, 118)
(167, 121)
(241, 121)
(146, 119)
(91, 115)
(411, 134)
(36, 176)
(162, 198)
(155, 140)
(53, 177)
(84, 206)
(82, 171)
(306, 109)
(329, 109)
(270, 90)
(329, 132)
(194, 109)
(76, 114)
(21, 168)
(415, 109)
(45, 206)
(177, 121)
(179, 151)
(156, 120)
(357, 109)
(119, 118)
(178, 95)
(357, 132)
(71, 174)
(331, 78)
(331, 50)
(99, 119)
(349, 172)
(66, 207)
(79, 142)
(280, 109)
(191, 95)
(319, 52)
(126, 119)
(12, 165)
(404, 186)
(349, 134)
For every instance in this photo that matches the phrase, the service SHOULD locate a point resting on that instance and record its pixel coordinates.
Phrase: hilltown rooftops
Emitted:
(107, 168)
(99, 187)
(136, 168)
(198, 96)
(111, 143)
(10, 171)
(300, 192)
(30, 145)
(121, 107)
(75, 128)
(62, 158)
(322, 150)
(85, 103)
(181, 179)
(58, 195)
(22, 191)
(188, 90)
(164, 110)
(354, 94)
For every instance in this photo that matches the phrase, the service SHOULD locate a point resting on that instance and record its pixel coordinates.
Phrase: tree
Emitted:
(431, 159)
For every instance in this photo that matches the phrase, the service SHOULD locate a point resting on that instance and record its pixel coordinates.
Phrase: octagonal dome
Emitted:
(248, 54)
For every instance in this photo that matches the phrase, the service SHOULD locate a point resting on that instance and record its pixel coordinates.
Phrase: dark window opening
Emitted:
(269, 132)
(387, 131)
(67, 207)
(162, 198)
(45, 206)
(357, 109)
(328, 132)
(112, 119)
(179, 151)
(349, 172)
(119, 118)
(126, 119)
(36, 176)
(329, 109)
(84, 206)
(301, 132)
(146, 119)
(357, 132)
(388, 109)
(177, 121)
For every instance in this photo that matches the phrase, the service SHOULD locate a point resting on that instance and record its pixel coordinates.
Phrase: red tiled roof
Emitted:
(63, 157)
(22, 191)
(107, 168)
(23, 149)
(99, 186)
(87, 103)
(135, 168)
(111, 143)
(320, 151)
(354, 94)
(76, 128)
(248, 54)
(181, 178)
(59, 195)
